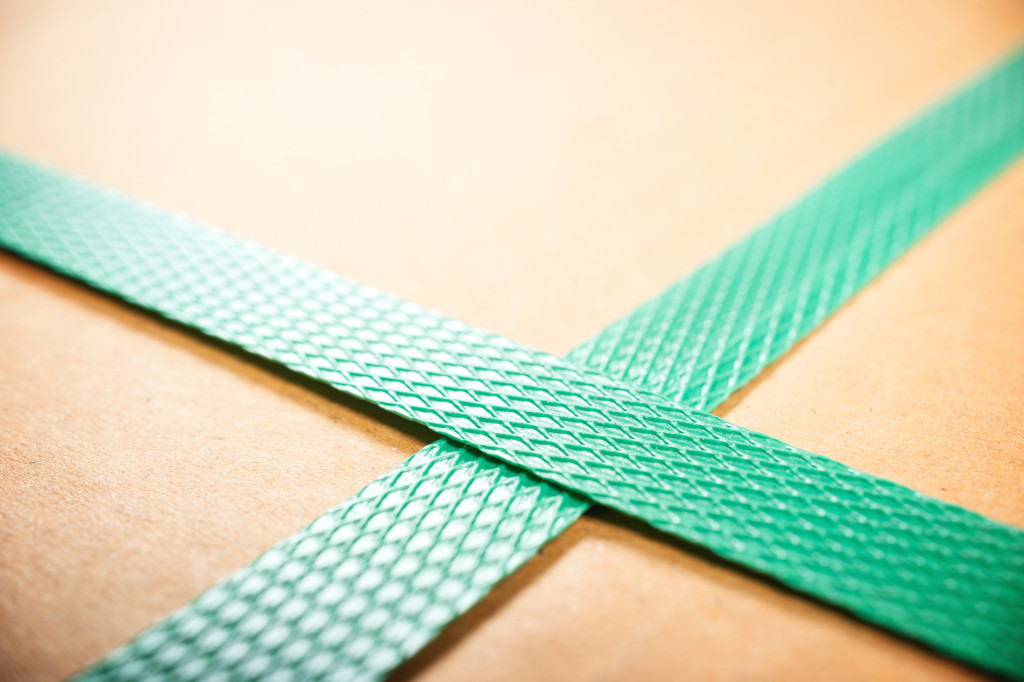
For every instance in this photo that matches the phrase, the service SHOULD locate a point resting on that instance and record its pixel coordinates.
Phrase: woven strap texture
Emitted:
(919, 566)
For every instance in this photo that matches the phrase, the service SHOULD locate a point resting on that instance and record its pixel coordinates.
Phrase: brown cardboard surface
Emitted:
(536, 169)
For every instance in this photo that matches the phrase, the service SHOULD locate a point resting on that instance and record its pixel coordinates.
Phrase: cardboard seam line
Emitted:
(921, 567)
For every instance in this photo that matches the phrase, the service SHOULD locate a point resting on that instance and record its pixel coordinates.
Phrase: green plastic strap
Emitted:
(919, 566)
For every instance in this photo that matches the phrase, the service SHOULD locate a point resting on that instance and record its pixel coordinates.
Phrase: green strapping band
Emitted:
(339, 604)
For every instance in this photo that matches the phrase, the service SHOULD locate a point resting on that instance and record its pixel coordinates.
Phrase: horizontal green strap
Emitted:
(922, 567)
(55, 202)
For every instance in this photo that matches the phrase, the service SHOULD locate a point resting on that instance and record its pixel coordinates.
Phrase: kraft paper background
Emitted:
(535, 168)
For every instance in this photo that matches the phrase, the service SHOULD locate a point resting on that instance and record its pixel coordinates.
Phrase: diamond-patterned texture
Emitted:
(715, 330)
(367, 583)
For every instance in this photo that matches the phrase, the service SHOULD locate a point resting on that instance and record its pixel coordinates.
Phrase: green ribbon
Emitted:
(371, 581)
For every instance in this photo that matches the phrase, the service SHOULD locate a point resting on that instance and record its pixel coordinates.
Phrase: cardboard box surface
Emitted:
(537, 169)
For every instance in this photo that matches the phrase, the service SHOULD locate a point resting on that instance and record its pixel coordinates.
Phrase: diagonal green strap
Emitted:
(933, 571)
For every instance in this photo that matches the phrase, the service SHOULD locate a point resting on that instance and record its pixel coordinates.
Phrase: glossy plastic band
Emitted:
(918, 566)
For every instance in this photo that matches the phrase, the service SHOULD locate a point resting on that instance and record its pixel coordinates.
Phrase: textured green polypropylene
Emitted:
(373, 579)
